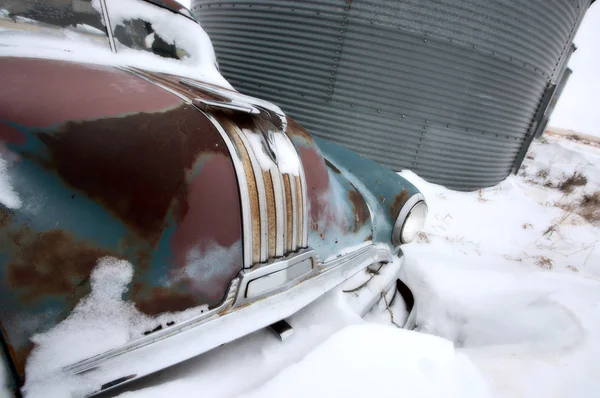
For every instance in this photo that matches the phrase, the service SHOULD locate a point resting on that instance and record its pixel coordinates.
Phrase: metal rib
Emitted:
(244, 194)
(279, 212)
(262, 200)
(294, 213)
(304, 204)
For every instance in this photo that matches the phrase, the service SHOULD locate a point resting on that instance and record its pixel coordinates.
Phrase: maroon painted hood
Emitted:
(108, 164)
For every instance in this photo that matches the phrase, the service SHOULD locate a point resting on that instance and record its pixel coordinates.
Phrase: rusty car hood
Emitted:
(107, 164)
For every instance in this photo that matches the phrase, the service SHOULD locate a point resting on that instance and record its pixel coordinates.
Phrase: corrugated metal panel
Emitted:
(448, 89)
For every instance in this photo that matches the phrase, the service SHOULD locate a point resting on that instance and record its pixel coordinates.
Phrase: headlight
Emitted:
(410, 221)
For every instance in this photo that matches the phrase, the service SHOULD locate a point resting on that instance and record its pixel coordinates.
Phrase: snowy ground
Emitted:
(507, 282)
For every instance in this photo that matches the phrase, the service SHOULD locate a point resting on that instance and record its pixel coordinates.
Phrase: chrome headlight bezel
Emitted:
(415, 201)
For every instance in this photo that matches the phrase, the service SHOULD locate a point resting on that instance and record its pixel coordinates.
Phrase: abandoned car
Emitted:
(140, 192)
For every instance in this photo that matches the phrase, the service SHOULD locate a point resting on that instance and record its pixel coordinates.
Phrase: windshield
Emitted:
(76, 19)
(141, 26)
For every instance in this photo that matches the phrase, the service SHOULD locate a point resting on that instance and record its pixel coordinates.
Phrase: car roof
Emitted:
(174, 6)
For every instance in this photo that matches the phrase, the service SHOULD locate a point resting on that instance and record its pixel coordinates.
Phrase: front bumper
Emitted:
(378, 288)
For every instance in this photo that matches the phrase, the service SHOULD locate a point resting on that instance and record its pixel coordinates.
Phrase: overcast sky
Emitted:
(579, 106)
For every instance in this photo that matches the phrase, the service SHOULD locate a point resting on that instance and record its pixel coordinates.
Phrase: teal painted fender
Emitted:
(384, 190)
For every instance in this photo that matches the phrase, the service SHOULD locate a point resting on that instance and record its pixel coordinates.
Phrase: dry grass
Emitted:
(544, 262)
(589, 207)
(527, 225)
(551, 229)
(569, 183)
(511, 258)
(543, 173)
(480, 196)
(572, 268)
(423, 237)
(582, 140)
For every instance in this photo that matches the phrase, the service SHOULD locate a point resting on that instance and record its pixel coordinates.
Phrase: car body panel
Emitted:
(384, 190)
(339, 217)
(113, 166)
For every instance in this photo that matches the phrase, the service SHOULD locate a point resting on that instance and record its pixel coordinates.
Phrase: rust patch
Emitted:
(134, 165)
(19, 357)
(295, 130)
(399, 201)
(50, 263)
(270, 194)
(289, 212)
(5, 216)
(159, 300)
(361, 210)
(332, 167)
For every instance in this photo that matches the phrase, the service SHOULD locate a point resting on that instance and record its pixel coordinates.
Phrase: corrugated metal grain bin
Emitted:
(450, 89)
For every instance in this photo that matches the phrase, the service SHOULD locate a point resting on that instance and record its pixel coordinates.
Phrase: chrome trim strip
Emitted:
(196, 336)
(275, 115)
(280, 216)
(142, 75)
(308, 259)
(94, 362)
(304, 226)
(367, 297)
(292, 180)
(281, 264)
(108, 26)
(262, 197)
(304, 208)
(404, 211)
(243, 186)
(205, 104)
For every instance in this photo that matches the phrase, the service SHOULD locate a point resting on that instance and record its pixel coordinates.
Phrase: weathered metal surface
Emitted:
(276, 199)
(106, 163)
(445, 88)
(384, 191)
(338, 213)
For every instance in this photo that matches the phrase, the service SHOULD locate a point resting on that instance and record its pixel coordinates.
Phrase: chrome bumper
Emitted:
(195, 336)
